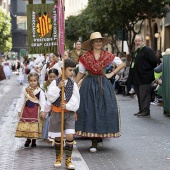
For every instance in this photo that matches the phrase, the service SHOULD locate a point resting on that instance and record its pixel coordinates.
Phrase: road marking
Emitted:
(78, 160)
(4, 90)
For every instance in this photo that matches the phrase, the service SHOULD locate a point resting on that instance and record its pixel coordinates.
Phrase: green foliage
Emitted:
(112, 16)
(5, 32)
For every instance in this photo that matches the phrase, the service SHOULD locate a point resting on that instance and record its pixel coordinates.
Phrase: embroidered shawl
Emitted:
(96, 66)
(68, 91)
(30, 94)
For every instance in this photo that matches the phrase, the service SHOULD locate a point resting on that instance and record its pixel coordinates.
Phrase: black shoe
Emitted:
(99, 140)
(27, 143)
(143, 114)
(135, 114)
(33, 144)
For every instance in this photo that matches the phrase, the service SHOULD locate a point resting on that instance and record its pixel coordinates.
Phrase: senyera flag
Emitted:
(42, 28)
(61, 27)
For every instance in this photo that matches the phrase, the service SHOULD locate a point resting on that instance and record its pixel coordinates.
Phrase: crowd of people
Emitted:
(91, 78)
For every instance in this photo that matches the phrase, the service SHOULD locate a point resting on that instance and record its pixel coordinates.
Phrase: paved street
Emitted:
(144, 144)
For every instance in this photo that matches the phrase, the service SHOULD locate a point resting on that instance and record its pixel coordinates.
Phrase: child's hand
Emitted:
(61, 84)
(19, 114)
(75, 115)
(63, 106)
(42, 115)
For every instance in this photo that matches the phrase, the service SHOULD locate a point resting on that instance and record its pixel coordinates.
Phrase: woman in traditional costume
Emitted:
(2, 74)
(31, 111)
(98, 115)
(75, 54)
(7, 68)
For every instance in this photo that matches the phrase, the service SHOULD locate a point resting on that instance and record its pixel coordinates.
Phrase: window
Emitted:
(21, 6)
(22, 22)
(4, 5)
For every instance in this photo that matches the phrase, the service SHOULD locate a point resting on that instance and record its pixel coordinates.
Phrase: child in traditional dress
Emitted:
(71, 105)
(21, 71)
(31, 111)
(52, 75)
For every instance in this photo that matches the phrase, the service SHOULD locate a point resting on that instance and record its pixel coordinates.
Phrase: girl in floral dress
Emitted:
(31, 111)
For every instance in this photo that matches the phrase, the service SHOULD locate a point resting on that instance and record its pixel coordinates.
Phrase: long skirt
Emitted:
(2, 74)
(7, 71)
(98, 114)
(30, 125)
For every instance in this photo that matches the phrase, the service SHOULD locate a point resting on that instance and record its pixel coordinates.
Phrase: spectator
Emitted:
(142, 74)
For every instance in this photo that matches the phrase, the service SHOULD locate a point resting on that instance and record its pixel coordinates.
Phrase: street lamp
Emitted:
(147, 37)
(158, 35)
(12, 13)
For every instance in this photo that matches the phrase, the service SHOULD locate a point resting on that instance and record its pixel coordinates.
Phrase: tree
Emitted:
(112, 16)
(71, 31)
(5, 32)
(151, 10)
(117, 15)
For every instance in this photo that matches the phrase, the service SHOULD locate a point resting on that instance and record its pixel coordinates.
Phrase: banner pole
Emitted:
(61, 47)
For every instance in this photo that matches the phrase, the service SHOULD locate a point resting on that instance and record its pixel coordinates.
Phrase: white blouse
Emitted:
(117, 61)
(42, 101)
(53, 94)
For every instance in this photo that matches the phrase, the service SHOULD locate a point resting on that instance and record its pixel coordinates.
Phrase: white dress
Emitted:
(7, 68)
(21, 75)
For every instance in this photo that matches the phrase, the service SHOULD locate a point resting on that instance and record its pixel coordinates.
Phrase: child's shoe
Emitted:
(33, 144)
(57, 163)
(27, 143)
(68, 163)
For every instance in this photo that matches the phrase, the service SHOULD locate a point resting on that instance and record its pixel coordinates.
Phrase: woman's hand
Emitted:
(110, 75)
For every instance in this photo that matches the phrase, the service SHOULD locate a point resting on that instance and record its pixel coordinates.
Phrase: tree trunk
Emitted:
(151, 32)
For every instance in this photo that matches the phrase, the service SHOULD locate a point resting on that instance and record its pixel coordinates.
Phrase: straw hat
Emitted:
(167, 51)
(95, 35)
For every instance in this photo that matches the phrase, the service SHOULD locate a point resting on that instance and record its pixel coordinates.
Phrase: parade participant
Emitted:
(141, 75)
(21, 74)
(52, 75)
(32, 65)
(31, 111)
(66, 55)
(98, 114)
(26, 62)
(7, 68)
(57, 60)
(49, 65)
(72, 100)
(45, 61)
(75, 54)
(2, 74)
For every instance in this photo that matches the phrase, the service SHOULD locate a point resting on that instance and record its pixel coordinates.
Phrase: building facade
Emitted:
(74, 7)
(4, 5)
